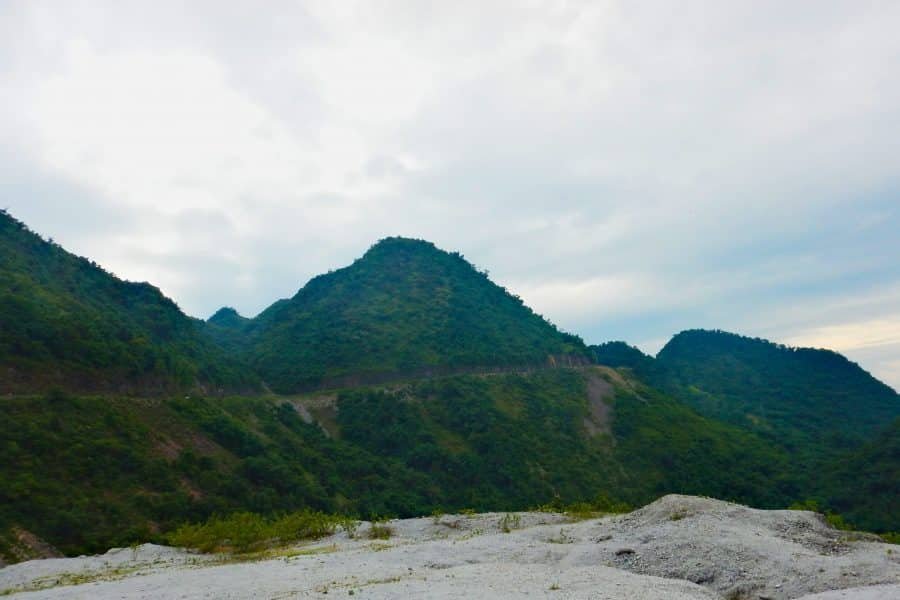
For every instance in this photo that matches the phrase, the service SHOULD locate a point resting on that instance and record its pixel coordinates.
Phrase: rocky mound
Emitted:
(679, 547)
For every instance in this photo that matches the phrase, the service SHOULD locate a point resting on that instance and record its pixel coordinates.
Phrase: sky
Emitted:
(630, 169)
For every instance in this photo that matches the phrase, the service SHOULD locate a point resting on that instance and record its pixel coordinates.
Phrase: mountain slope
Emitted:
(76, 469)
(66, 322)
(864, 484)
(824, 410)
(404, 308)
(801, 395)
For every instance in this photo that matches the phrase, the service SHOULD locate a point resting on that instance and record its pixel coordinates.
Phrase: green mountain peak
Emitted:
(404, 308)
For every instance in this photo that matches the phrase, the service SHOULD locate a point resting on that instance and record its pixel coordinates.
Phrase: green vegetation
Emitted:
(508, 442)
(824, 411)
(76, 468)
(620, 354)
(863, 484)
(801, 397)
(66, 322)
(379, 530)
(509, 522)
(246, 532)
(404, 309)
(473, 418)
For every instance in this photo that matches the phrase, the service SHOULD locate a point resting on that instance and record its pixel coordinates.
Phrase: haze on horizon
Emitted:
(629, 169)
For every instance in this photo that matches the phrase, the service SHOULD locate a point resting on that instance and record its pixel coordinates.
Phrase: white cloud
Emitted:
(628, 168)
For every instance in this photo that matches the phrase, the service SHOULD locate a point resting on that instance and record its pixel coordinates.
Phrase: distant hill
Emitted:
(830, 415)
(67, 323)
(405, 308)
(621, 354)
(801, 395)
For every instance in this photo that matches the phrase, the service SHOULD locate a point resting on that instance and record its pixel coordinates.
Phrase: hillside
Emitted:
(67, 323)
(404, 308)
(75, 469)
(444, 395)
(864, 484)
(826, 412)
(799, 395)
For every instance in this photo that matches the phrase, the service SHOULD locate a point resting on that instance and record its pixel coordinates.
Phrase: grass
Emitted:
(380, 531)
(245, 532)
(601, 506)
(509, 522)
(66, 579)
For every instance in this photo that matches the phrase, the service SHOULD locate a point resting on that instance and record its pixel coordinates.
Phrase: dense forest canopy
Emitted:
(404, 308)
(67, 322)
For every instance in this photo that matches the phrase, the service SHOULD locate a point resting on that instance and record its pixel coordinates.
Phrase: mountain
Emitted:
(799, 395)
(450, 397)
(404, 309)
(822, 409)
(67, 323)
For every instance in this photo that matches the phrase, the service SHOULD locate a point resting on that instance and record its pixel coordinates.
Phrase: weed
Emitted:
(562, 538)
(247, 532)
(380, 530)
(891, 537)
(509, 521)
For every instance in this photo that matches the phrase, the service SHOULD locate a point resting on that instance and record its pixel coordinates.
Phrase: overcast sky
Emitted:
(631, 169)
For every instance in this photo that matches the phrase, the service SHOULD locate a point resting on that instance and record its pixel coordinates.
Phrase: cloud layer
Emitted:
(629, 169)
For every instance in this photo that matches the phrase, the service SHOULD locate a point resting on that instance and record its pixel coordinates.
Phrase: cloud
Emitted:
(630, 169)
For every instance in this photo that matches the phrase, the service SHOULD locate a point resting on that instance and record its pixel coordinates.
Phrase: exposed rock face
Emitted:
(679, 547)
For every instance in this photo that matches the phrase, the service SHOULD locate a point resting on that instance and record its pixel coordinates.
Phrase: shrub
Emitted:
(891, 537)
(380, 532)
(245, 531)
(509, 521)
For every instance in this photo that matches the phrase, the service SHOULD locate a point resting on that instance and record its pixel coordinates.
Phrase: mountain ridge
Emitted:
(67, 322)
(403, 307)
(451, 401)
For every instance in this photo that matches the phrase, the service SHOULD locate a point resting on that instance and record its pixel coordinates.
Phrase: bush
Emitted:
(509, 521)
(380, 530)
(245, 531)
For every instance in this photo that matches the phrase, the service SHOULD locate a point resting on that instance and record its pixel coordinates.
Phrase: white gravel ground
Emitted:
(679, 547)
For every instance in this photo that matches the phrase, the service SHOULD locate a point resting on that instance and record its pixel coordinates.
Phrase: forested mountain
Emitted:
(405, 308)
(829, 414)
(801, 395)
(445, 395)
(797, 395)
(66, 322)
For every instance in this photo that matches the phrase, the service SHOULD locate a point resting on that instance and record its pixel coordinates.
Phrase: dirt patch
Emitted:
(21, 545)
(320, 409)
(168, 448)
(600, 392)
(191, 489)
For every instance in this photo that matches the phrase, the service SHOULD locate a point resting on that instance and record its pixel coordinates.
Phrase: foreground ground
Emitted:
(679, 547)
